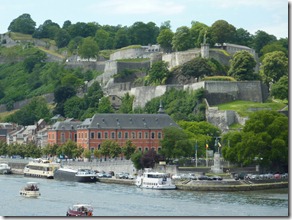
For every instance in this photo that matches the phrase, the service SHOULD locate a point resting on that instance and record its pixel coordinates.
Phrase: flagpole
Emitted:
(206, 155)
(196, 153)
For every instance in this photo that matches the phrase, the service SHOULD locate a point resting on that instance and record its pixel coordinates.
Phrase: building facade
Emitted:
(144, 130)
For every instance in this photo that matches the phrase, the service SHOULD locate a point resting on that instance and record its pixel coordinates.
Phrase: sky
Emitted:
(270, 16)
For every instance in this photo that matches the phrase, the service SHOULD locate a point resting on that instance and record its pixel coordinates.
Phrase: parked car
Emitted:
(217, 178)
(122, 175)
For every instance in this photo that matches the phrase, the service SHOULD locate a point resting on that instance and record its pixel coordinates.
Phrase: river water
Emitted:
(117, 200)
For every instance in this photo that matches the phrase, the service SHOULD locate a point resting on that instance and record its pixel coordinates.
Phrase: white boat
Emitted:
(41, 168)
(80, 175)
(30, 190)
(5, 168)
(154, 180)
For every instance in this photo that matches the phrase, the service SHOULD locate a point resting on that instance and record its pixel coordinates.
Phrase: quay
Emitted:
(227, 184)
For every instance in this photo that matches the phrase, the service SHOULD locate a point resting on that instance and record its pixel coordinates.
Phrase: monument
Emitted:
(217, 167)
(205, 47)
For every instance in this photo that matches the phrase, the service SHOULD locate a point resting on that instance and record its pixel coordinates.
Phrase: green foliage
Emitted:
(70, 149)
(201, 133)
(182, 39)
(23, 24)
(87, 154)
(242, 66)
(110, 148)
(222, 32)
(29, 114)
(88, 48)
(136, 159)
(175, 143)
(179, 104)
(128, 150)
(105, 106)
(158, 73)
(243, 108)
(280, 89)
(264, 140)
(165, 39)
(219, 78)
(274, 66)
(127, 103)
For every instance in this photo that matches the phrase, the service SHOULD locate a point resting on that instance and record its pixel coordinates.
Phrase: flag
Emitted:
(207, 146)
(219, 144)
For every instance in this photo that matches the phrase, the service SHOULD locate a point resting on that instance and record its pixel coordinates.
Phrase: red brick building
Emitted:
(144, 130)
(62, 131)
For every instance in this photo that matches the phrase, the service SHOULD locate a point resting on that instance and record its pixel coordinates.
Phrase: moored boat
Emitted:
(30, 190)
(154, 180)
(80, 175)
(41, 168)
(5, 168)
(80, 210)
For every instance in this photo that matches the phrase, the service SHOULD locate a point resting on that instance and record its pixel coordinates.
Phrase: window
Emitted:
(75, 137)
(126, 135)
(119, 134)
(140, 148)
(140, 135)
(92, 135)
(133, 135)
(98, 135)
(63, 137)
(113, 135)
(146, 135)
(152, 135)
(159, 135)
(146, 148)
(159, 149)
(98, 147)
(105, 135)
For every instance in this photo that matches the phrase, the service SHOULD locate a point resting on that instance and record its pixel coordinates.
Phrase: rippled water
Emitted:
(124, 200)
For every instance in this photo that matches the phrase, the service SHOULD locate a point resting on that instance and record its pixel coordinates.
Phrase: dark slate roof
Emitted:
(66, 125)
(128, 121)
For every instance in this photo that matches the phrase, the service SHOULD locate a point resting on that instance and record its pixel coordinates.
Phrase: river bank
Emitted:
(203, 185)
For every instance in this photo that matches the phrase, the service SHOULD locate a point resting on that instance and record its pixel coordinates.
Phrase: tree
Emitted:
(102, 37)
(182, 39)
(105, 106)
(121, 38)
(149, 158)
(93, 95)
(127, 104)
(70, 149)
(280, 89)
(158, 73)
(47, 30)
(88, 48)
(110, 148)
(274, 66)
(136, 159)
(87, 154)
(38, 57)
(165, 39)
(197, 31)
(62, 38)
(74, 107)
(243, 37)
(23, 24)
(222, 32)
(242, 66)
(175, 143)
(143, 34)
(197, 67)
(264, 137)
(261, 39)
(128, 149)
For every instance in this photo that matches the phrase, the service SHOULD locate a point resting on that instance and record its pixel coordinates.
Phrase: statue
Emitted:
(204, 41)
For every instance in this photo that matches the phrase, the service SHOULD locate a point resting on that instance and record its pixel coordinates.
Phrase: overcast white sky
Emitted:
(270, 16)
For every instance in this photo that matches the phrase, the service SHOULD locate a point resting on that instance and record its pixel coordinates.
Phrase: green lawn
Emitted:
(244, 108)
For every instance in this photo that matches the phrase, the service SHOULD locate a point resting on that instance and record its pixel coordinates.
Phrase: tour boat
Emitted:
(80, 175)
(41, 168)
(154, 180)
(30, 190)
(80, 210)
(5, 168)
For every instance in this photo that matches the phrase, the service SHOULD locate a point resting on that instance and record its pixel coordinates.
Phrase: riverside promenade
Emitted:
(227, 184)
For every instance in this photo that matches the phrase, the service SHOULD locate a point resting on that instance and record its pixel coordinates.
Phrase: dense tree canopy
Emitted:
(274, 66)
(242, 66)
(263, 140)
(222, 32)
(23, 24)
